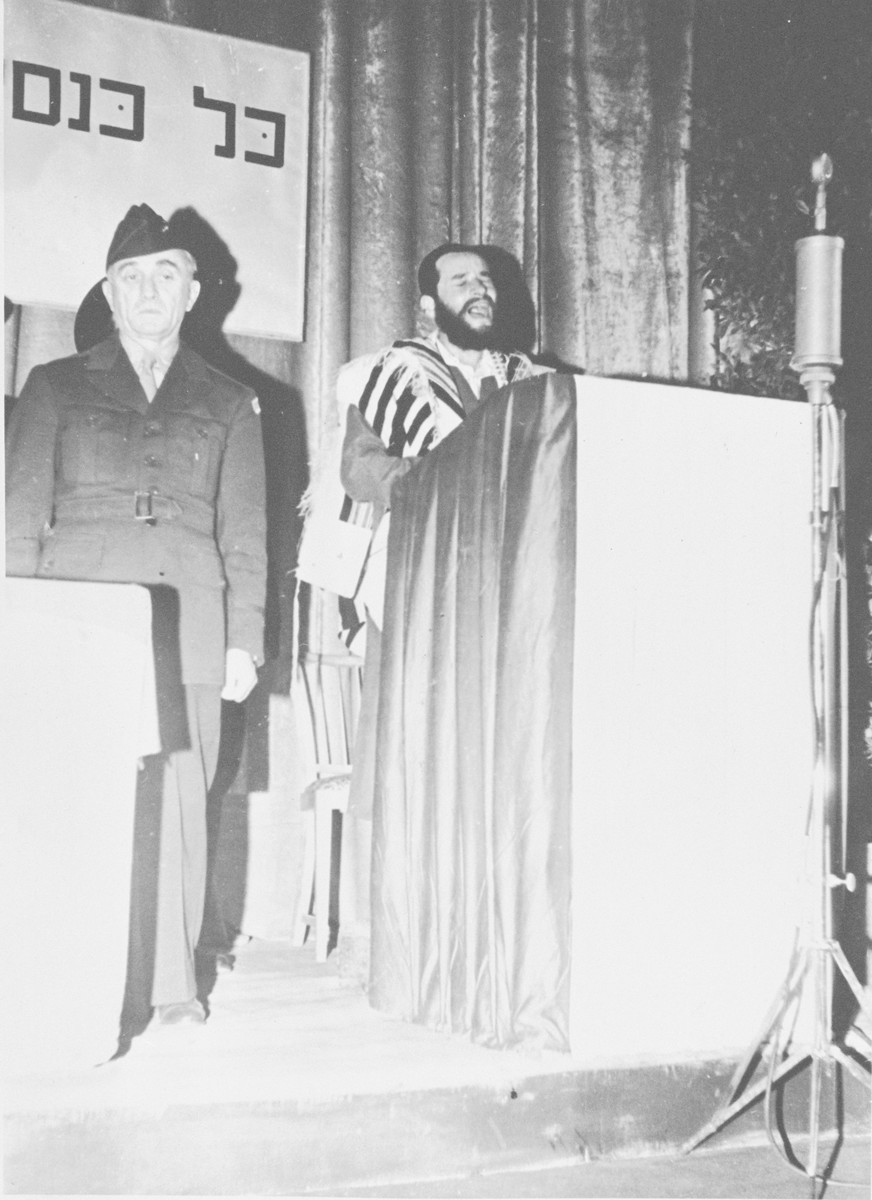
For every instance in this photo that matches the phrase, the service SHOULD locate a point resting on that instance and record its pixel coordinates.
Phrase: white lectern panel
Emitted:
(78, 710)
(692, 743)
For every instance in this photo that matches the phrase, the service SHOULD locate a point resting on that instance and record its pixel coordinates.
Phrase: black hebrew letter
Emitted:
(137, 93)
(277, 120)
(228, 150)
(83, 120)
(20, 71)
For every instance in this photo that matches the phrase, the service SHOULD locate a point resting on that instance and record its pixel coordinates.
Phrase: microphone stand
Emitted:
(817, 955)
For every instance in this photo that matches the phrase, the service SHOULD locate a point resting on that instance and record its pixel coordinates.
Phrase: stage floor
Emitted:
(296, 1085)
(281, 1027)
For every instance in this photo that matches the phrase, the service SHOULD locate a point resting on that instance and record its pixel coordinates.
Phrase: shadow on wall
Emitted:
(515, 326)
(284, 439)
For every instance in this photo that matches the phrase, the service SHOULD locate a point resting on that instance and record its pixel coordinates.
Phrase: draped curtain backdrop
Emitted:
(556, 129)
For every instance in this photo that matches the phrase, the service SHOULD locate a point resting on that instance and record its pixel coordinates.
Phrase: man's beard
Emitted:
(459, 333)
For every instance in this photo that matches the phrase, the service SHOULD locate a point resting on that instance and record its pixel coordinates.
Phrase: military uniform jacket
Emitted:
(103, 485)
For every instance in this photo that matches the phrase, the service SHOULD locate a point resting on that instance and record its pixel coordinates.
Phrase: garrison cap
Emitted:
(142, 231)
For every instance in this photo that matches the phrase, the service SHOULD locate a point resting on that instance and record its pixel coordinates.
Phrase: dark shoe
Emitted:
(187, 1012)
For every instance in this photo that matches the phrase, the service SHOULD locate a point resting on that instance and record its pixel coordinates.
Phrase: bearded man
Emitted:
(419, 389)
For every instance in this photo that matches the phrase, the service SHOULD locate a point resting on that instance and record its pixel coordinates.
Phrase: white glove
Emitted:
(240, 675)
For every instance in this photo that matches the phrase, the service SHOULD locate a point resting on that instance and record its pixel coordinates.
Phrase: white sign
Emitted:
(105, 110)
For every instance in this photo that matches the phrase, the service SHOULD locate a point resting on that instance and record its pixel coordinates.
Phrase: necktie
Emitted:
(147, 379)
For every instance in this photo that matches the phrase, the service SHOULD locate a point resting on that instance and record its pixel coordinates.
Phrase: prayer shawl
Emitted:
(411, 400)
(408, 396)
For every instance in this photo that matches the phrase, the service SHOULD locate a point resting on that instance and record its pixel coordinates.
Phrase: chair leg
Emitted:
(323, 871)
(307, 880)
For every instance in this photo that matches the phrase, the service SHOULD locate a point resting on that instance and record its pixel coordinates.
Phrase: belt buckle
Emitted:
(142, 509)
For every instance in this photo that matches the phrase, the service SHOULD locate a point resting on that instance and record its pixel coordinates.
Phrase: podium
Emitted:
(594, 729)
(79, 710)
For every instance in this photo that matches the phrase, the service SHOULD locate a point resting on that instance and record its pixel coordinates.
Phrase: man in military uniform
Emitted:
(138, 462)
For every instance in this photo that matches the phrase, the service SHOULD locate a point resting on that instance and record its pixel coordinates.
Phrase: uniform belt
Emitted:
(147, 507)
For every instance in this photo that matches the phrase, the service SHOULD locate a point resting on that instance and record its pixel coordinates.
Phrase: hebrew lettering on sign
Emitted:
(277, 120)
(226, 149)
(83, 120)
(20, 111)
(50, 114)
(43, 105)
(136, 131)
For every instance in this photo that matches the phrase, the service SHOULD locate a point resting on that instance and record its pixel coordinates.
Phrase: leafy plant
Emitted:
(775, 85)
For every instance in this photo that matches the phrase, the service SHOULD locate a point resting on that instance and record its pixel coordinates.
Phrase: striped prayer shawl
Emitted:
(411, 400)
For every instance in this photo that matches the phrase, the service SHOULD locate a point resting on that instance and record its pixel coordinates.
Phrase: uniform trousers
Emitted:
(168, 885)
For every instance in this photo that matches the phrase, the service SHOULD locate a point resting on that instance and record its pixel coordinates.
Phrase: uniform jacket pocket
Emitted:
(195, 445)
(94, 445)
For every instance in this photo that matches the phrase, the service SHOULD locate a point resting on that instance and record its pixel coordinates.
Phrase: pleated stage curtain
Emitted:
(471, 896)
(555, 129)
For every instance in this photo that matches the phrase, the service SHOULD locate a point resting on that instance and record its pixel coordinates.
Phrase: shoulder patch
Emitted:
(255, 404)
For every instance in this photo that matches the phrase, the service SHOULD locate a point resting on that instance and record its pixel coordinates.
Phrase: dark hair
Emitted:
(428, 272)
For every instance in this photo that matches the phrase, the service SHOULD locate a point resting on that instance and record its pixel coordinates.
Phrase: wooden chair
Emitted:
(327, 697)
